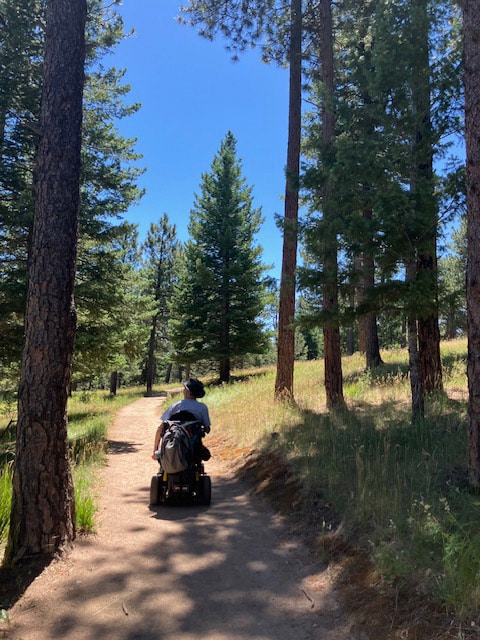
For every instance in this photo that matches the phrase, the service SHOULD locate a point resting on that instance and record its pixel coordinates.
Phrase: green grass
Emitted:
(85, 505)
(399, 489)
(5, 499)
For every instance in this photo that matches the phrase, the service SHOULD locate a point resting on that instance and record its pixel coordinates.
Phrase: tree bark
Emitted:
(286, 311)
(168, 373)
(113, 383)
(224, 370)
(43, 507)
(416, 381)
(429, 351)
(428, 330)
(367, 323)
(331, 330)
(150, 373)
(471, 34)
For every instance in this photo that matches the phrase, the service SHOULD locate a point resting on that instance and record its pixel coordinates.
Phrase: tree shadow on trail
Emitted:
(156, 394)
(119, 447)
(229, 570)
(15, 580)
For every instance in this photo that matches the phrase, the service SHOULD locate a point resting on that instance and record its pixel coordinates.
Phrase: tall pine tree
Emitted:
(43, 509)
(220, 293)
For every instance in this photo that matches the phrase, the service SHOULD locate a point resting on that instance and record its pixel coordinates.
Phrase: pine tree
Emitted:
(219, 297)
(160, 251)
(276, 27)
(108, 175)
(21, 44)
(286, 312)
(113, 307)
(43, 505)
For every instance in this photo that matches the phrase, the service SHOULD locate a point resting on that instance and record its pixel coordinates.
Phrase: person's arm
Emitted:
(206, 419)
(156, 442)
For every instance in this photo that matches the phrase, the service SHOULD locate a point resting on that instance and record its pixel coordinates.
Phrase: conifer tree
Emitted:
(108, 179)
(21, 43)
(276, 26)
(218, 300)
(113, 307)
(43, 506)
(160, 251)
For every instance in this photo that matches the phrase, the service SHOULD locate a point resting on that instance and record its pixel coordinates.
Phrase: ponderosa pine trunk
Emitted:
(416, 381)
(43, 507)
(426, 208)
(429, 333)
(331, 330)
(471, 35)
(286, 310)
(367, 323)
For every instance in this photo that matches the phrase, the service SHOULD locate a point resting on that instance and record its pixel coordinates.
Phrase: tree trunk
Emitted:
(362, 337)
(372, 354)
(429, 351)
(350, 341)
(43, 507)
(416, 382)
(426, 209)
(451, 323)
(224, 370)
(113, 383)
(331, 331)
(150, 373)
(168, 373)
(403, 336)
(286, 311)
(471, 34)
(367, 323)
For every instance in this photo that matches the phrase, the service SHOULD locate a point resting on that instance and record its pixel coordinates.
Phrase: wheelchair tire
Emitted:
(206, 490)
(155, 490)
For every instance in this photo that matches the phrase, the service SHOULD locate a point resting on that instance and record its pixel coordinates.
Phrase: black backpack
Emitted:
(176, 448)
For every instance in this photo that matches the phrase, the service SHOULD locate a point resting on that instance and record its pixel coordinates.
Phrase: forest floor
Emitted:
(231, 571)
(236, 570)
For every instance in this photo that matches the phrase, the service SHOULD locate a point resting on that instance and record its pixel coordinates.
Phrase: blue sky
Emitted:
(191, 95)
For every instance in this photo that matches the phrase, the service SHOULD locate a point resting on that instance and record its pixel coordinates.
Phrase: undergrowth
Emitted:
(399, 489)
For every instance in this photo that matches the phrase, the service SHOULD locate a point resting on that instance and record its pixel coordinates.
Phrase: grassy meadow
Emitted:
(363, 475)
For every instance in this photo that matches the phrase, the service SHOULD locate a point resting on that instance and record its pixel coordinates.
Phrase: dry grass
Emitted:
(397, 489)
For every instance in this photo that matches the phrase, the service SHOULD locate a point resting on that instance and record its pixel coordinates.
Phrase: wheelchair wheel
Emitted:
(206, 490)
(155, 490)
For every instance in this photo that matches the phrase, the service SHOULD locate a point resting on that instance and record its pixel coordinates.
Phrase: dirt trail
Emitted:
(230, 571)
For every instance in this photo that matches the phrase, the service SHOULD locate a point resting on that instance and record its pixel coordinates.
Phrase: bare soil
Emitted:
(233, 571)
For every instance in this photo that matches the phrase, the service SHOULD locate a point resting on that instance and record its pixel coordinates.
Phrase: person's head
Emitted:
(193, 388)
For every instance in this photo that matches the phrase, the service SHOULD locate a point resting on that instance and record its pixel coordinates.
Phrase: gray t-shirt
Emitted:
(199, 410)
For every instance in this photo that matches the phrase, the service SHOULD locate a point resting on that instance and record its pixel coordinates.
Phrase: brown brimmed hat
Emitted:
(195, 387)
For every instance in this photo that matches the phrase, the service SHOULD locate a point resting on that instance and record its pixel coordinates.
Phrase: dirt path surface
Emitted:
(231, 571)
